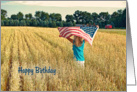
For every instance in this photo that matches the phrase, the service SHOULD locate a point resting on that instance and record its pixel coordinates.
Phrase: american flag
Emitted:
(88, 33)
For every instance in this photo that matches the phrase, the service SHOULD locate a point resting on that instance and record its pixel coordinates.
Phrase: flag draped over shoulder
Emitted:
(88, 33)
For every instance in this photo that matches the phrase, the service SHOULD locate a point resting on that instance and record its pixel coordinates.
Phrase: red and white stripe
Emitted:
(70, 31)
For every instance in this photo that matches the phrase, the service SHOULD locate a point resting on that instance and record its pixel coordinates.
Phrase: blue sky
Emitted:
(62, 7)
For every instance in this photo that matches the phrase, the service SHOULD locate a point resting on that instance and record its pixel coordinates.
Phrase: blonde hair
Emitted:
(78, 41)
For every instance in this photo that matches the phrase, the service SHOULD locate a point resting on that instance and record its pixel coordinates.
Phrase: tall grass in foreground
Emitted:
(105, 61)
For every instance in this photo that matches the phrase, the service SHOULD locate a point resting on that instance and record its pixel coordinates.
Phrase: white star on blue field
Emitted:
(89, 30)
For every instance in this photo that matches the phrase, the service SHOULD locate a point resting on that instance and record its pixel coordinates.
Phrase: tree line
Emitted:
(117, 19)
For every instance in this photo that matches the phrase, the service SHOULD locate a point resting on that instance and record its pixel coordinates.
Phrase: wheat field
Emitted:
(105, 61)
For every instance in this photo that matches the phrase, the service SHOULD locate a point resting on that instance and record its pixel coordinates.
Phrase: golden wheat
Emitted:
(28, 47)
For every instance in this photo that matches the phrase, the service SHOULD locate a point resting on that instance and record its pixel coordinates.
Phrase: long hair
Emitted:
(78, 41)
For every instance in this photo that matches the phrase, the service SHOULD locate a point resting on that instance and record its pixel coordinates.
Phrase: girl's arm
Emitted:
(71, 40)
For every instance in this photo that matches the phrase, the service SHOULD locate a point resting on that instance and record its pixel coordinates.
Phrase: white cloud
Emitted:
(118, 4)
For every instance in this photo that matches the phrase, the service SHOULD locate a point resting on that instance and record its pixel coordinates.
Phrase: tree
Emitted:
(45, 23)
(53, 24)
(77, 16)
(41, 23)
(43, 19)
(83, 17)
(37, 14)
(59, 24)
(3, 14)
(41, 15)
(11, 23)
(118, 18)
(49, 23)
(115, 14)
(52, 16)
(27, 16)
(14, 17)
(74, 23)
(22, 23)
(89, 18)
(28, 22)
(69, 24)
(34, 22)
(120, 11)
(55, 17)
(64, 23)
(58, 17)
(95, 16)
(124, 18)
(69, 18)
(44, 16)
(2, 23)
(6, 22)
(20, 16)
(104, 18)
(16, 22)
(30, 16)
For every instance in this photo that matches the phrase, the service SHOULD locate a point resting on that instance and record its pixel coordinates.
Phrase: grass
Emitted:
(114, 31)
(105, 61)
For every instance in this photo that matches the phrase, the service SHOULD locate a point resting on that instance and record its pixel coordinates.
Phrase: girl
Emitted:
(78, 49)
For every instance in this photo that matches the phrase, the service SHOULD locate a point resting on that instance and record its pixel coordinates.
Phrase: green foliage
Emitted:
(34, 22)
(59, 24)
(58, 17)
(42, 15)
(64, 24)
(37, 14)
(27, 16)
(2, 23)
(69, 18)
(16, 22)
(30, 16)
(50, 23)
(6, 23)
(74, 24)
(22, 23)
(117, 19)
(3, 14)
(69, 24)
(20, 16)
(28, 22)
(14, 17)
(45, 23)
(40, 23)
(55, 17)
(82, 17)
(53, 24)
(11, 23)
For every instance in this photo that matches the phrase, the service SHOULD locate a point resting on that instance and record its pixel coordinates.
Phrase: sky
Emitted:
(62, 7)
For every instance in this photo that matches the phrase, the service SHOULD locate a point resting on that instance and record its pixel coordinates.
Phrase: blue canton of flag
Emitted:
(89, 30)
